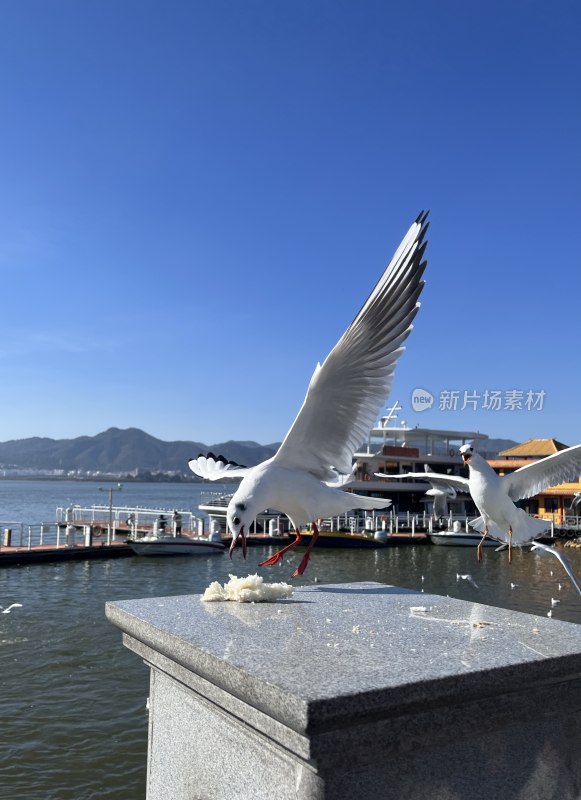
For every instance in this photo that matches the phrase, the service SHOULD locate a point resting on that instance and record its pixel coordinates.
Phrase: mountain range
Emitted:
(122, 451)
(132, 450)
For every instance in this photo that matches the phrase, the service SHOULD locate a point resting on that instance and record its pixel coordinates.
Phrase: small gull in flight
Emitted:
(344, 397)
(9, 608)
(440, 497)
(440, 492)
(468, 578)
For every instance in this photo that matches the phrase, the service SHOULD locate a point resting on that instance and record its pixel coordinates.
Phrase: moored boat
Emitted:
(152, 545)
(461, 539)
(347, 539)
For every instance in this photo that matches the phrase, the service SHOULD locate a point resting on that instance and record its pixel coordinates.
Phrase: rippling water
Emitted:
(73, 699)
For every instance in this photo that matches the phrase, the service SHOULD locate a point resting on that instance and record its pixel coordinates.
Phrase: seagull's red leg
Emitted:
(277, 556)
(479, 548)
(234, 542)
(510, 544)
(305, 560)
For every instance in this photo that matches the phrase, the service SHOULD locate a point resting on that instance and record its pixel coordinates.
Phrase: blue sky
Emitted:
(197, 197)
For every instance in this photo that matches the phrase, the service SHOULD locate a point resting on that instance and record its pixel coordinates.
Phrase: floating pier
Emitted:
(41, 553)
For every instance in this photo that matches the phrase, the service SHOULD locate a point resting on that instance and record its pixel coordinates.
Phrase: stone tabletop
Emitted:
(336, 650)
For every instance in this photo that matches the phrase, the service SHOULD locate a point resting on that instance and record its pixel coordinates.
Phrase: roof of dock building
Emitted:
(534, 448)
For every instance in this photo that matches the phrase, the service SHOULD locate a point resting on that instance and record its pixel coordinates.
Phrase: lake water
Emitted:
(73, 699)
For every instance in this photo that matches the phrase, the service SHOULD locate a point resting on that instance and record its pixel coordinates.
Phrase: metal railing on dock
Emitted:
(129, 520)
(20, 534)
(98, 524)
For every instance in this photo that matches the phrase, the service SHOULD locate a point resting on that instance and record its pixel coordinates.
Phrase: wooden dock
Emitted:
(38, 553)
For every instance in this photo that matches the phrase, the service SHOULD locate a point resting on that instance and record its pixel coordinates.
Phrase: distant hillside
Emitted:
(124, 451)
(492, 447)
(118, 450)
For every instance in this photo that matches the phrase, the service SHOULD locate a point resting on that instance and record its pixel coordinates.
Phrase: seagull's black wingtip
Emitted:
(422, 217)
(204, 455)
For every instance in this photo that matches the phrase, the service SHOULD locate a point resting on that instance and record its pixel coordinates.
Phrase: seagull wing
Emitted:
(567, 566)
(446, 482)
(528, 481)
(216, 468)
(347, 392)
(9, 609)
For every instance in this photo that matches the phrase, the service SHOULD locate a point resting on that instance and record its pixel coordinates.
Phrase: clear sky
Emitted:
(197, 197)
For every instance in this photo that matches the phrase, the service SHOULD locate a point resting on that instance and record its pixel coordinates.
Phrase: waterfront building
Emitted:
(395, 449)
(554, 503)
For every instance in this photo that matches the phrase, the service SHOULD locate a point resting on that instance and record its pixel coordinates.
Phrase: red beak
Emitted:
(235, 539)
(465, 458)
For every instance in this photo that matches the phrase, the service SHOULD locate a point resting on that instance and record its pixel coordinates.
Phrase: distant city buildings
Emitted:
(88, 475)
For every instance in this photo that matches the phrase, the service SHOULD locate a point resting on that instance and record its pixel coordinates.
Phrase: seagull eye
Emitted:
(241, 506)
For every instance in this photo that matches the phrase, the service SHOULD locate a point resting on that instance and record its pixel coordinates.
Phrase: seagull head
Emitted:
(240, 515)
(466, 451)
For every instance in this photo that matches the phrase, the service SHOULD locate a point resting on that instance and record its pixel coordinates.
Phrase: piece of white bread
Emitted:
(251, 589)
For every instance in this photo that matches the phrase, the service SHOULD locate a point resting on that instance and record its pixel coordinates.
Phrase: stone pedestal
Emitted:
(357, 691)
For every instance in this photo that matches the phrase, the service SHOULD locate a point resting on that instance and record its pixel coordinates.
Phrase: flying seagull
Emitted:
(495, 497)
(440, 499)
(343, 400)
(440, 494)
(443, 487)
(468, 578)
(9, 608)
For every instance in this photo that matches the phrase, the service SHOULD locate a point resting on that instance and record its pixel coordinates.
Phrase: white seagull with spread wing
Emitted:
(9, 609)
(440, 497)
(495, 497)
(343, 400)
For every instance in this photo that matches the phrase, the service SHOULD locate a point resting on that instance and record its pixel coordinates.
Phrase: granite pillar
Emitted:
(358, 691)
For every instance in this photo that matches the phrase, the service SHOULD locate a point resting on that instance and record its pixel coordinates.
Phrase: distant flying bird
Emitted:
(440, 500)
(495, 497)
(9, 609)
(342, 402)
(440, 492)
(468, 578)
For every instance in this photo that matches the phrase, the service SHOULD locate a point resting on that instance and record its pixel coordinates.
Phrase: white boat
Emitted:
(461, 538)
(155, 545)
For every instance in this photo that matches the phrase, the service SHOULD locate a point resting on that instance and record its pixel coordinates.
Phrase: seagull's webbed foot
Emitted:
(479, 548)
(510, 544)
(305, 559)
(235, 539)
(270, 562)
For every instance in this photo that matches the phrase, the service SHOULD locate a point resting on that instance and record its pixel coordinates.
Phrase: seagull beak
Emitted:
(465, 457)
(235, 538)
